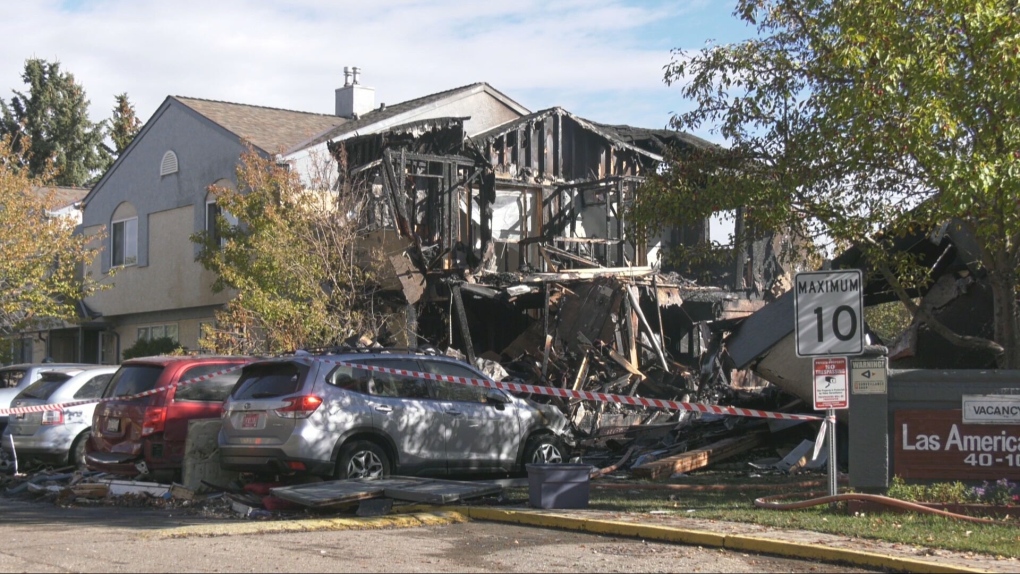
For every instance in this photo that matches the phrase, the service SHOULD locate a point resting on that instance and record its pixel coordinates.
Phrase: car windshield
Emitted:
(9, 378)
(133, 379)
(268, 381)
(44, 387)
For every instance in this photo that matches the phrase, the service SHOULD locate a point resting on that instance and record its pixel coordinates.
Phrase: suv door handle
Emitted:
(384, 409)
(454, 412)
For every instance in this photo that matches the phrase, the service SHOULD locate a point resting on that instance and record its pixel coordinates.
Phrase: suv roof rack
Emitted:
(346, 349)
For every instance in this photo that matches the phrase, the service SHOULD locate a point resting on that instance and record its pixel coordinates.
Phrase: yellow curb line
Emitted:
(702, 538)
(414, 520)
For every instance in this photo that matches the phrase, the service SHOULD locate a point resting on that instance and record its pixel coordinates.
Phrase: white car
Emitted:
(56, 436)
(14, 379)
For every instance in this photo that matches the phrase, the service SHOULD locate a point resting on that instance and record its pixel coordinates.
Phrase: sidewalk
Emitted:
(746, 537)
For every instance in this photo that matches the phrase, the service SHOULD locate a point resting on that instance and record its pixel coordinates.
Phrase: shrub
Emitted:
(939, 492)
(150, 347)
(1001, 492)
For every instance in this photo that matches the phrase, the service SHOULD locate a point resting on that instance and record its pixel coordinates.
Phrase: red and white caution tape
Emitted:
(59, 406)
(584, 395)
(486, 383)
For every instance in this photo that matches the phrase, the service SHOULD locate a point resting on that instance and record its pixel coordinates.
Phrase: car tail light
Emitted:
(153, 420)
(299, 407)
(53, 417)
(296, 465)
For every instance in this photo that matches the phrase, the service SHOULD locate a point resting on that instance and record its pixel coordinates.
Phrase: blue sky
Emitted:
(602, 61)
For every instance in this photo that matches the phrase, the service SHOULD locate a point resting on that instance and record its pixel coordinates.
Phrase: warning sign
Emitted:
(830, 383)
(868, 376)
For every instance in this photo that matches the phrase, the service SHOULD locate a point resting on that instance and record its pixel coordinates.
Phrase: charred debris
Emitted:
(512, 247)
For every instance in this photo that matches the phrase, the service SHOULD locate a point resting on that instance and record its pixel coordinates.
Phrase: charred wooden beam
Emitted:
(632, 293)
(462, 322)
(699, 458)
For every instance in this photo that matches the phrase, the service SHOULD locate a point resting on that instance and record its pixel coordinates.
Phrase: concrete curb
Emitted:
(410, 520)
(737, 542)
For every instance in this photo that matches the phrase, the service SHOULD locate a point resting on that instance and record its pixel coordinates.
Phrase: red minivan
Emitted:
(145, 435)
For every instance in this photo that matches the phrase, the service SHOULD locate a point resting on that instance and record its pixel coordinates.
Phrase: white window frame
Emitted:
(149, 332)
(130, 242)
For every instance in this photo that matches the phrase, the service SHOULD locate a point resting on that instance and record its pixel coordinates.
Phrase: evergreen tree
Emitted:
(49, 126)
(124, 125)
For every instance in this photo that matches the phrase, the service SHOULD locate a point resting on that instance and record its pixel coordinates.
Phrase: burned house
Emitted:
(513, 245)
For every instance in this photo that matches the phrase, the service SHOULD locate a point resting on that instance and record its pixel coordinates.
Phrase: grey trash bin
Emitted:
(558, 485)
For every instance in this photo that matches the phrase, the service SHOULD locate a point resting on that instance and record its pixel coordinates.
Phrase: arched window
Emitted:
(124, 235)
(169, 164)
(213, 211)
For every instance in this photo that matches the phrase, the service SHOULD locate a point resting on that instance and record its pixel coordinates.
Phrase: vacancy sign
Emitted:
(831, 389)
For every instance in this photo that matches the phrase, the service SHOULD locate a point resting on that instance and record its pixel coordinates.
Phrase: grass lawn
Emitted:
(721, 495)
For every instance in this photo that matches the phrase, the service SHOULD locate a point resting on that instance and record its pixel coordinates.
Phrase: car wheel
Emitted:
(76, 456)
(362, 459)
(544, 449)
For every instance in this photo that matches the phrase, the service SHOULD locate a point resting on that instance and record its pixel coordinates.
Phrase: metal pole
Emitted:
(830, 418)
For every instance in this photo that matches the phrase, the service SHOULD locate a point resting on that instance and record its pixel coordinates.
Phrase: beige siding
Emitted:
(171, 280)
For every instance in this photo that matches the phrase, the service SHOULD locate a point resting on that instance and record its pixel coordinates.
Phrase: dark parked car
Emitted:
(146, 435)
(307, 414)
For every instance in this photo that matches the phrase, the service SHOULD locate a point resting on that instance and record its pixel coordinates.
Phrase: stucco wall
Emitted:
(205, 153)
(171, 280)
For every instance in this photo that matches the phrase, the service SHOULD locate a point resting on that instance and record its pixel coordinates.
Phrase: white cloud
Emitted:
(599, 60)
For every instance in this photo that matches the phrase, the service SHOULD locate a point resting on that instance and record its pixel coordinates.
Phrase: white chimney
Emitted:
(353, 99)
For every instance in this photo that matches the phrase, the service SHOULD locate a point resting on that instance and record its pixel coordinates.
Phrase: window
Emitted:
(381, 384)
(268, 381)
(456, 391)
(212, 222)
(9, 378)
(94, 388)
(21, 350)
(215, 389)
(125, 242)
(158, 332)
(169, 164)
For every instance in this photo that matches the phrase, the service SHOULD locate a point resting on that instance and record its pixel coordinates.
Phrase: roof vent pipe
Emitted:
(347, 76)
(357, 71)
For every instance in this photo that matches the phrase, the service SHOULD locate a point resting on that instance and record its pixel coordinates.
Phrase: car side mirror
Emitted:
(496, 398)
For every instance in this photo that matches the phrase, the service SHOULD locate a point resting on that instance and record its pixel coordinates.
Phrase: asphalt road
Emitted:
(41, 537)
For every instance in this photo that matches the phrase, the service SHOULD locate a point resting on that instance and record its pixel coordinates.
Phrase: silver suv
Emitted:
(308, 414)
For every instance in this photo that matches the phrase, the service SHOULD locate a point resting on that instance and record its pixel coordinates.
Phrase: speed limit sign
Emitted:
(830, 313)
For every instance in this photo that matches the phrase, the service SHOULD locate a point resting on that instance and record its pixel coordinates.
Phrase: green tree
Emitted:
(858, 122)
(50, 127)
(292, 257)
(124, 125)
(39, 272)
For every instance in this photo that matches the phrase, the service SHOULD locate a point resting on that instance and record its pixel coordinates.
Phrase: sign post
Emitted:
(830, 321)
(831, 392)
